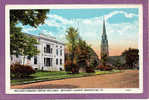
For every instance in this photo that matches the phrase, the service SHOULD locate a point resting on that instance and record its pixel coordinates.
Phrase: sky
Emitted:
(122, 26)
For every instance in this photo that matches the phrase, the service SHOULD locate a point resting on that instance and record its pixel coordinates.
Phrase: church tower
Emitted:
(104, 42)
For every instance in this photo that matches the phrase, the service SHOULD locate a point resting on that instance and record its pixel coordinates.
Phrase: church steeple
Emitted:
(104, 27)
(104, 42)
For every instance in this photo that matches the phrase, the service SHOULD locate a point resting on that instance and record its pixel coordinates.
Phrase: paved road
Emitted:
(126, 79)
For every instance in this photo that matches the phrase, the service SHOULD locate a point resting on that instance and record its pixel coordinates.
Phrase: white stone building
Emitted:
(50, 58)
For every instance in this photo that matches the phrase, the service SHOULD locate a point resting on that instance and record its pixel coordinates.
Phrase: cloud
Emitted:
(28, 30)
(127, 15)
(59, 18)
(47, 32)
(87, 21)
(52, 23)
(122, 36)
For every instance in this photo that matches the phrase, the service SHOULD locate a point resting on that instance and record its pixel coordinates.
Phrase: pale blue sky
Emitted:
(121, 24)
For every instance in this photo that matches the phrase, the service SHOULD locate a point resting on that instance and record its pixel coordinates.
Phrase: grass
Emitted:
(40, 76)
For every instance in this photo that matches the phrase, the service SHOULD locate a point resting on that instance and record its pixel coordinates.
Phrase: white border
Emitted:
(62, 91)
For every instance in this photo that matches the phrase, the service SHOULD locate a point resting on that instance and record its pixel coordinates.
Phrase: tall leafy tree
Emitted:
(19, 42)
(72, 38)
(131, 57)
(83, 53)
(16, 41)
(80, 53)
(94, 59)
(86, 57)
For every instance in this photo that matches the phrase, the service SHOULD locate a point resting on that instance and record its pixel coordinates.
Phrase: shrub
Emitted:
(21, 71)
(105, 68)
(68, 68)
(123, 67)
(90, 70)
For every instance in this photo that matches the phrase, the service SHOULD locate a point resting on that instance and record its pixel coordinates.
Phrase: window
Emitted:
(61, 52)
(35, 59)
(44, 61)
(57, 52)
(51, 61)
(51, 50)
(11, 58)
(48, 62)
(36, 68)
(48, 49)
(17, 56)
(28, 57)
(60, 69)
(36, 47)
(56, 61)
(60, 61)
(44, 49)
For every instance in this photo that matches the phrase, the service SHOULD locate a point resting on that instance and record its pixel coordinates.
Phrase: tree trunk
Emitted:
(72, 65)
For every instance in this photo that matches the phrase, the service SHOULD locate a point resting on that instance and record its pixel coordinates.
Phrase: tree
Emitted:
(29, 47)
(72, 38)
(131, 56)
(104, 60)
(28, 17)
(86, 56)
(94, 60)
(20, 43)
(16, 41)
(80, 53)
(23, 45)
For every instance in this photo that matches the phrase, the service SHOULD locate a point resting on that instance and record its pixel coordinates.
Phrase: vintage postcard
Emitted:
(75, 49)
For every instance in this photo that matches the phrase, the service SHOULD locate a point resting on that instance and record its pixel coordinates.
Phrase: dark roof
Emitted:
(114, 59)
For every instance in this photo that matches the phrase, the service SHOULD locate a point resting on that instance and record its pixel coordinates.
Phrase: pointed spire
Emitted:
(104, 42)
(104, 27)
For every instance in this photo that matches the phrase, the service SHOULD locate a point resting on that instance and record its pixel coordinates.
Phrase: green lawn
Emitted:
(47, 76)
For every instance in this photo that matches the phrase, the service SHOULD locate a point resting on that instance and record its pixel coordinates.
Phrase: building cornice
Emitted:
(45, 37)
